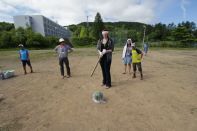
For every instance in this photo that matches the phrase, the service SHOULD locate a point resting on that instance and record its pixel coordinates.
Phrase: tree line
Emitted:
(11, 37)
(183, 34)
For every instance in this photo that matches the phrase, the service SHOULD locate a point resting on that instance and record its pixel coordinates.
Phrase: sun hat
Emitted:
(61, 40)
(20, 45)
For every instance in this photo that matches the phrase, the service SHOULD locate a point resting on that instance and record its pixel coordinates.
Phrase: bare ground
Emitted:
(166, 100)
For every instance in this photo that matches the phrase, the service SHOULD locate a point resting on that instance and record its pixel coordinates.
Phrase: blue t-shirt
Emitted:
(24, 54)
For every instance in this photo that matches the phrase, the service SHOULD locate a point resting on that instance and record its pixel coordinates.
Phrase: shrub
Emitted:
(83, 41)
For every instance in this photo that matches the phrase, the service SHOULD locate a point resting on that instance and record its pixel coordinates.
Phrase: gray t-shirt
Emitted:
(63, 50)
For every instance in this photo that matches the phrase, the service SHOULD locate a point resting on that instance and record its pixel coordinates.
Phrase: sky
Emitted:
(67, 12)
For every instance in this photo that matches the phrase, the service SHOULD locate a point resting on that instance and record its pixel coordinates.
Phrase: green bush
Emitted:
(173, 44)
(83, 41)
(12, 38)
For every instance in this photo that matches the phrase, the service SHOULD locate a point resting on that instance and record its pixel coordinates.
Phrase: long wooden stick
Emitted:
(95, 66)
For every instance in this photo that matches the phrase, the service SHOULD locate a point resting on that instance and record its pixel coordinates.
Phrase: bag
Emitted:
(6, 74)
(1, 76)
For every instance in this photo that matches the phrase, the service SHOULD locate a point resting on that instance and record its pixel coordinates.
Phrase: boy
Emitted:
(24, 57)
(136, 60)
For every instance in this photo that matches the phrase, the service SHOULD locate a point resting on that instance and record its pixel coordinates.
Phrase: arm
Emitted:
(27, 54)
(111, 47)
(142, 55)
(99, 47)
(70, 49)
(139, 52)
(56, 48)
(19, 55)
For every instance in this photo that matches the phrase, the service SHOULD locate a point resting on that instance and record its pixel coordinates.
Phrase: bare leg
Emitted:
(125, 69)
(129, 68)
(29, 64)
(141, 75)
(31, 69)
(24, 68)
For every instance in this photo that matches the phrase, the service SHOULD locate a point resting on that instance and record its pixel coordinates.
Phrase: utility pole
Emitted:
(87, 26)
(144, 35)
(87, 22)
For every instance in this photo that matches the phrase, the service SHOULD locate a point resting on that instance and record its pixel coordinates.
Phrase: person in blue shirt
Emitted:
(24, 57)
(146, 48)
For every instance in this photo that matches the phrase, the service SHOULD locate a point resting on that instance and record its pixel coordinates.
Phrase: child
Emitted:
(24, 57)
(126, 56)
(136, 60)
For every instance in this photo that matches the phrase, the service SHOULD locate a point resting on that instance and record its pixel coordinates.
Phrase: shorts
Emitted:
(127, 60)
(24, 62)
(137, 65)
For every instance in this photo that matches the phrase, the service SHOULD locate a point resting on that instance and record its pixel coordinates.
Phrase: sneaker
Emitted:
(103, 85)
(107, 87)
(68, 76)
(134, 76)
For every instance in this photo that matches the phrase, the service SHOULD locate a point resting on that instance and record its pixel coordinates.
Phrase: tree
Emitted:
(133, 35)
(6, 26)
(83, 32)
(183, 34)
(98, 26)
(5, 40)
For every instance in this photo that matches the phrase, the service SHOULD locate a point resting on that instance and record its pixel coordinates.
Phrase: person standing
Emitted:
(126, 56)
(145, 48)
(63, 49)
(105, 47)
(136, 60)
(24, 57)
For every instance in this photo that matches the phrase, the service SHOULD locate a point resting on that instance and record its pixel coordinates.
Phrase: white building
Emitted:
(42, 25)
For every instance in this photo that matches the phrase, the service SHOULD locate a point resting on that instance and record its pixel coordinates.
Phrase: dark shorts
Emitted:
(24, 62)
(137, 65)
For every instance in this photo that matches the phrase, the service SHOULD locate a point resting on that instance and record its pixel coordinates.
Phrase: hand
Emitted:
(104, 51)
(100, 54)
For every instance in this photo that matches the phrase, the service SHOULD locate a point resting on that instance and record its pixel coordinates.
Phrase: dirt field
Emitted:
(166, 100)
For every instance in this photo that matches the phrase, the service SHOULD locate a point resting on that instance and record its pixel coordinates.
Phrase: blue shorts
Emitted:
(127, 60)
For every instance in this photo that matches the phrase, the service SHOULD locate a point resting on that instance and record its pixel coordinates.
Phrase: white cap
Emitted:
(132, 44)
(20, 45)
(129, 40)
(61, 40)
(105, 32)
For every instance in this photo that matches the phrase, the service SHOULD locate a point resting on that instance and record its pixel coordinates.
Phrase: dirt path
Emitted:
(166, 100)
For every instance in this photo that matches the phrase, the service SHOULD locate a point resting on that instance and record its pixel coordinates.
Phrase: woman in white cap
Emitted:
(105, 48)
(62, 49)
(126, 56)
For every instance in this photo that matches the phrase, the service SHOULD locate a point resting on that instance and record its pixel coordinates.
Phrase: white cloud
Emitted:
(183, 7)
(75, 11)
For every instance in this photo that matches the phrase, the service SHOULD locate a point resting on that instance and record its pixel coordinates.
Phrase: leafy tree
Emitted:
(4, 26)
(84, 32)
(98, 26)
(183, 34)
(5, 40)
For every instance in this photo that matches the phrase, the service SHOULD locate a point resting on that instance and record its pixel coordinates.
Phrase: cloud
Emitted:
(76, 11)
(183, 7)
